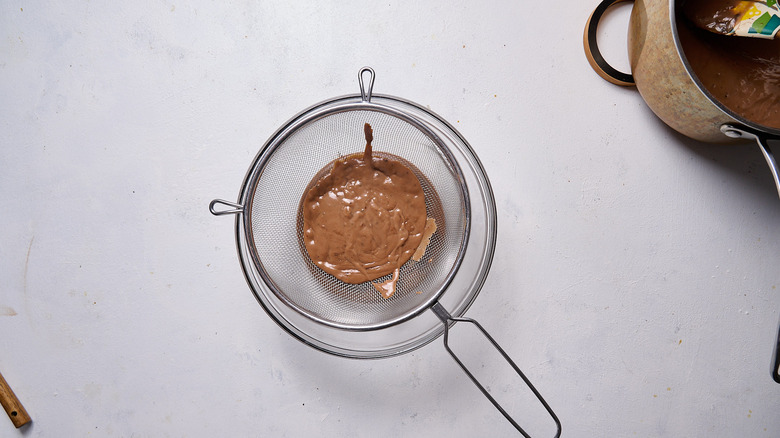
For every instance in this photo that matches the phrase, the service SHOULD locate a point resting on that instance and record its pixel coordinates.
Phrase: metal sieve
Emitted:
(276, 241)
(354, 320)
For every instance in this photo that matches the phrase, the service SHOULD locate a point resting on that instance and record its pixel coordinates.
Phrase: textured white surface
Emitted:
(636, 274)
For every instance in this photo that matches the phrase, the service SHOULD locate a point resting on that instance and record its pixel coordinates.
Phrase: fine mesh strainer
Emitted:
(354, 320)
(276, 240)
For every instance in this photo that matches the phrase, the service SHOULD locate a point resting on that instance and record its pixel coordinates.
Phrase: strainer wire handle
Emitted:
(447, 319)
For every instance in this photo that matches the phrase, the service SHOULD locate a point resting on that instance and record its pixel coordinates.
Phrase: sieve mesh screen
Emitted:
(275, 221)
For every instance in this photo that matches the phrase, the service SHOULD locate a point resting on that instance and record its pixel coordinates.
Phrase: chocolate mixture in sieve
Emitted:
(365, 218)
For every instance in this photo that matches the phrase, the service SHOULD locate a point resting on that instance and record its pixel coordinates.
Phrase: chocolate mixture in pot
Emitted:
(719, 16)
(365, 218)
(742, 73)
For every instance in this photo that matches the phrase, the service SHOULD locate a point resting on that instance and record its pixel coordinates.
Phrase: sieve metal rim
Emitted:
(415, 332)
(311, 115)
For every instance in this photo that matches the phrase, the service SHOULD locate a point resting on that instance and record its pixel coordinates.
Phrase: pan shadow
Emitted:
(741, 163)
(405, 389)
(426, 383)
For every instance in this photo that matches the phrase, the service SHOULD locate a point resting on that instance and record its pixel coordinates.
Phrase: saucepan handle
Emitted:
(446, 318)
(776, 366)
(596, 60)
(763, 140)
(771, 160)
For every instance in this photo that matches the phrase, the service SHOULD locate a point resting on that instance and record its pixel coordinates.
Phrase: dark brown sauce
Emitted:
(717, 16)
(741, 73)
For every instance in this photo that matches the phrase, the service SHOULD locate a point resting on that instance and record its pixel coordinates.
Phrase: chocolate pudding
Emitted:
(365, 218)
(742, 73)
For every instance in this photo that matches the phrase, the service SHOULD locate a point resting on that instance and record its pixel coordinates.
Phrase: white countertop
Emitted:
(636, 273)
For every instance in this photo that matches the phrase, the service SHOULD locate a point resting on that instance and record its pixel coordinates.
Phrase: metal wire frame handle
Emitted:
(776, 368)
(446, 318)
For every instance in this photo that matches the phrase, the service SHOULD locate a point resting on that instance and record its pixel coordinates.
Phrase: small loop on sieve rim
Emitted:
(366, 96)
(233, 207)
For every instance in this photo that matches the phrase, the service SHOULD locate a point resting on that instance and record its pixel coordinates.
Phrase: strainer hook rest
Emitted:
(232, 207)
(365, 95)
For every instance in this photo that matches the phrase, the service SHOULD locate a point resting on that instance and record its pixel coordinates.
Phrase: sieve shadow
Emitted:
(400, 387)
(425, 383)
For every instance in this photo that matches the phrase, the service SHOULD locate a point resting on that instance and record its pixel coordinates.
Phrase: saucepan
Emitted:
(667, 81)
(662, 72)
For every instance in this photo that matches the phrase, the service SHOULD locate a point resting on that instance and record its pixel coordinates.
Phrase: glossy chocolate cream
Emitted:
(741, 73)
(365, 218)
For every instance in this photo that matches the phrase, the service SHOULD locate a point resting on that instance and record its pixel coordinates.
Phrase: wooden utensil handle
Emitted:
(13, 407)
